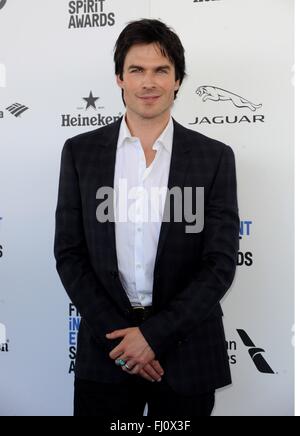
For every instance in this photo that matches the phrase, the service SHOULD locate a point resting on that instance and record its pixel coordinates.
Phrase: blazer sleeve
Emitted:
(72, 258)
(217, 264)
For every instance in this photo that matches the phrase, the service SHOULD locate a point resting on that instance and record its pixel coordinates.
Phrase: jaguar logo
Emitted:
(218, 94)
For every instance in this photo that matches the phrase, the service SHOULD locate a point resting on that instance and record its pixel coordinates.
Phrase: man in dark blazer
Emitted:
(171, 351)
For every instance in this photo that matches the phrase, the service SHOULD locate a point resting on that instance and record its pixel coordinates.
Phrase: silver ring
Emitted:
(127, 367)
(120, 362)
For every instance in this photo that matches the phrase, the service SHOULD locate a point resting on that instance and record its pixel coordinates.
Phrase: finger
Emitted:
(121, 357)
(136, 369)
(117, 352)
(152, 372)
(141, 373)
(130, 365)
(156, 365)
(126, 370)
(116, 334)
(146, 376)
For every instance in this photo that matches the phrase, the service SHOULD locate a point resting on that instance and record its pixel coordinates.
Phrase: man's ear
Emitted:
(177, 85)
(119, 81)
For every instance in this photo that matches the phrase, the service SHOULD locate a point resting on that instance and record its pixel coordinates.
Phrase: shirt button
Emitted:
(139, 229)
(139, 266)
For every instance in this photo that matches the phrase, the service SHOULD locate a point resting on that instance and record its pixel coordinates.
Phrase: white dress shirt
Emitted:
(139, 199)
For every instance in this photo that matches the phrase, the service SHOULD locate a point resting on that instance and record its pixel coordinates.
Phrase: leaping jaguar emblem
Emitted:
(218, 94)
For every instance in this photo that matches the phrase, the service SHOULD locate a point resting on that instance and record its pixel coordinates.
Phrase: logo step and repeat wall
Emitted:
(57, 80)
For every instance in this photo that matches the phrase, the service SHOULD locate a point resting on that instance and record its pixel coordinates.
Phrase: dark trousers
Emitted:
(129, 400)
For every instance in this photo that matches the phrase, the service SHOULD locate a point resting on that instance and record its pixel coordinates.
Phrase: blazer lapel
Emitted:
(108, 162)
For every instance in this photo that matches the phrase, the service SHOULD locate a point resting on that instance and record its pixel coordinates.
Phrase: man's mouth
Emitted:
(149, 98)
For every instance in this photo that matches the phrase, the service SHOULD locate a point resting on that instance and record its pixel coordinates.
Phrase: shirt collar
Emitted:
(165, 139)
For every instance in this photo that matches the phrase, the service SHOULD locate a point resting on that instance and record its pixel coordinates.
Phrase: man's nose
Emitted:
(149, 81)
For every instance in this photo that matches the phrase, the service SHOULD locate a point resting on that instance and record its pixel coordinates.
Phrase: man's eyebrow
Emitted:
(160, 67)
(163, 67)
(134, 66)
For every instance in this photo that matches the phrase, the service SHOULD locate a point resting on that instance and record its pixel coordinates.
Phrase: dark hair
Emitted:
(148, 31)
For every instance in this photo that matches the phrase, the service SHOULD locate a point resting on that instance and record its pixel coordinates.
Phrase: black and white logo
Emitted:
(219, 95)
(17, 109)
(255, 353)
(2, 3)
(91, 101)
(90, 13)
(94, 119)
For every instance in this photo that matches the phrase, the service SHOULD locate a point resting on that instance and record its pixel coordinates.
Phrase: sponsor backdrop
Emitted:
(57, 80)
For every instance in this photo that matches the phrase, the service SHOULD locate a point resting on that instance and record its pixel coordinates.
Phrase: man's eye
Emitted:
(162, 71)
(136, 70)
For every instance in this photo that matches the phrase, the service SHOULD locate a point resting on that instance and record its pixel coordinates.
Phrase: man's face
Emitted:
(148, 82)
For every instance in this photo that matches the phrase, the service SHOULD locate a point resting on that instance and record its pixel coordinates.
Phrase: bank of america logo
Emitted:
(17, 109)
(255, 353)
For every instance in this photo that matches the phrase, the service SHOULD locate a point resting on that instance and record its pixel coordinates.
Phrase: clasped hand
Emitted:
(137, 353)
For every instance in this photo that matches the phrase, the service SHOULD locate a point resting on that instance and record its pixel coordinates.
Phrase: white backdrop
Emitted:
(240, 56)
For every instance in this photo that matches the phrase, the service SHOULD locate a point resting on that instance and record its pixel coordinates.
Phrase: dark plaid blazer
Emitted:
(192, 271)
